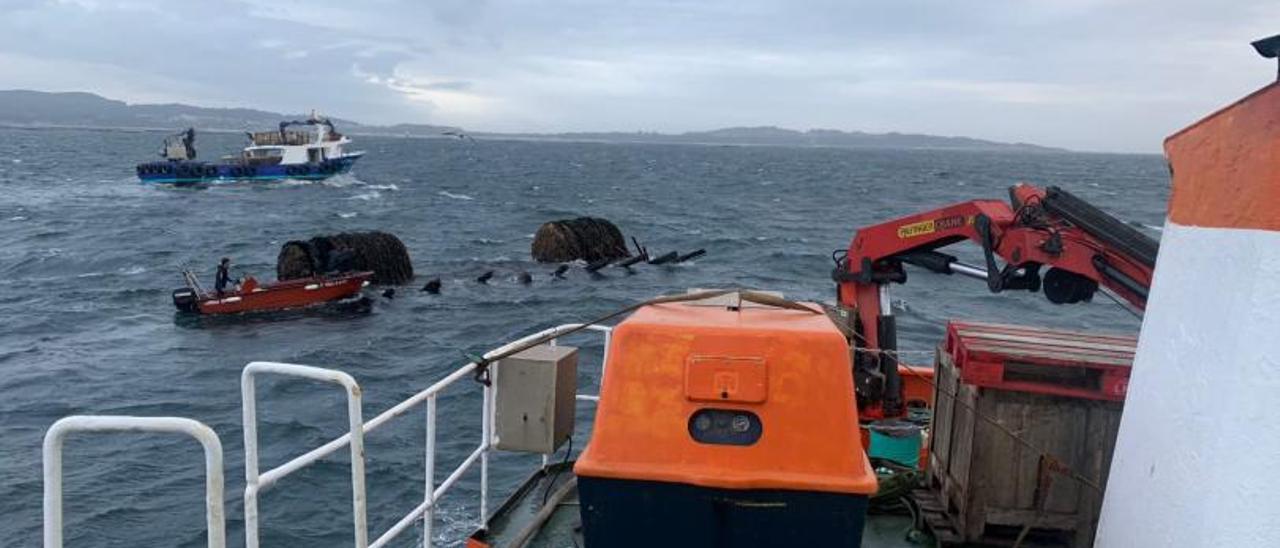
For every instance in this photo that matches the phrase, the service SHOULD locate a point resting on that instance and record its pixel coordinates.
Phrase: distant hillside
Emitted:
(769, 135)
(79, 109)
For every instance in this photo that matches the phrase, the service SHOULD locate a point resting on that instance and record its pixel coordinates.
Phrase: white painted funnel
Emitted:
(1197, 461)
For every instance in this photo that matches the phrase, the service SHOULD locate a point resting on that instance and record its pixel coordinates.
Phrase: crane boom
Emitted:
(1083, 247)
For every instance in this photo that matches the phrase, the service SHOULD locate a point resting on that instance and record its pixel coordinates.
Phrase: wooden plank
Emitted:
(962, 457)
(1047, 338)
(1057, 358)
(931, 505)
(1048, 341)
(1001, 453)
(940, 524)
(1066, 334)
(1103, 425)
(947, 382)
(943, 411)
(1068, 492)
(1019, 518)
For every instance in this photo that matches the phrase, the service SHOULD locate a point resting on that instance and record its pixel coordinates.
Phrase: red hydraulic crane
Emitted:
(1085, 249)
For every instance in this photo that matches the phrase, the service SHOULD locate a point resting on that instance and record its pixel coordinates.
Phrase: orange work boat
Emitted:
(252, 297)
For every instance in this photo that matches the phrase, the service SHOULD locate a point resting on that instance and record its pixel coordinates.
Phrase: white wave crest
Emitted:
(448, 194)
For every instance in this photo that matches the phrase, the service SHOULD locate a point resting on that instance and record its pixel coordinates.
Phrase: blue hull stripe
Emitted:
(199, 172)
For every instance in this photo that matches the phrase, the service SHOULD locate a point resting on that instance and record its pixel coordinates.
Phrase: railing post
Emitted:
(429, 498)
(486, 433)
(255, 483)
(53, 487)
(52, 463)
(249, 416)
(604, 357)
(358, 502)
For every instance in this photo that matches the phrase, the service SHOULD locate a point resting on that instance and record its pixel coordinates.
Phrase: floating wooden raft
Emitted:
(1057, 391)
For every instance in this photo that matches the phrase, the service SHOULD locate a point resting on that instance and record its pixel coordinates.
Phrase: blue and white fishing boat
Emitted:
(314, 153)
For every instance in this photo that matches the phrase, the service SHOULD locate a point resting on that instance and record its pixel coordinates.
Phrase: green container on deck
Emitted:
(896, 440)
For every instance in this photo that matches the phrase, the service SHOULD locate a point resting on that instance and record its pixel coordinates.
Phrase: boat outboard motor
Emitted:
(185, 299)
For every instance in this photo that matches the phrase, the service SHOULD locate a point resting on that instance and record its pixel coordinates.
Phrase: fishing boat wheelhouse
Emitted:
(315, 151)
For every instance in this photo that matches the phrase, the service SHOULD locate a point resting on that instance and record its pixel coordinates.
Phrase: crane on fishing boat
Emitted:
(1084, 249)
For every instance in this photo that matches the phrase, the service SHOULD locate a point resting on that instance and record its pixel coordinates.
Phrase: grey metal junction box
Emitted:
(536, 391)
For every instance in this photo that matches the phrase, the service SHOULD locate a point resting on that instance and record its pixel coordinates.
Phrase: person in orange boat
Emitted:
(223, 277)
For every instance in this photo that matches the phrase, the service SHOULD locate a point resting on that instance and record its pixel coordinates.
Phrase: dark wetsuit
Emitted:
(221, 279)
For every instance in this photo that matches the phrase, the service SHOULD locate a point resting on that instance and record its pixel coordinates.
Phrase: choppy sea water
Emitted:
(88, 257)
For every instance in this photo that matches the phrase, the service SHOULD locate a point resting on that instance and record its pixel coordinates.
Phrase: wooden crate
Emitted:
(1044, 361)
(988, 483)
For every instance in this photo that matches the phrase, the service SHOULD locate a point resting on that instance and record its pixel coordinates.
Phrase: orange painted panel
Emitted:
(1226, 167)
(810, 439)
(917, 384)
(726, 379)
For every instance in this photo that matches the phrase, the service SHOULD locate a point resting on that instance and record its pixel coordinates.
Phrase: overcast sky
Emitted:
(1114, 75)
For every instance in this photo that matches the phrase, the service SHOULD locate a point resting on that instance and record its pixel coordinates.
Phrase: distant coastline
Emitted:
(81, 110)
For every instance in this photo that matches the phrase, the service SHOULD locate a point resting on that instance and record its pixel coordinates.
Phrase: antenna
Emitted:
(1269, 48)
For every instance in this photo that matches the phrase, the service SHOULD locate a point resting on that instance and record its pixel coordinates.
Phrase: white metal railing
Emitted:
(256, 483)
(82, 423)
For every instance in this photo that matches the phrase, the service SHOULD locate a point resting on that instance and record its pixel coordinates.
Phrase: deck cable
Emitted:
(567, 454)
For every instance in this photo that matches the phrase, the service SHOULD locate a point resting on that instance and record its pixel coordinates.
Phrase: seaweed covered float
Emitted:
(317, 152)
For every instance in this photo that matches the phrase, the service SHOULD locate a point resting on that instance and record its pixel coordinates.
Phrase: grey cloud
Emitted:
(1088, 74)
(456, 85)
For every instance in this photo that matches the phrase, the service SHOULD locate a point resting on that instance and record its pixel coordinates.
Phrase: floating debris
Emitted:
(691, 255)
(524, 278)
(599, 264)
(390, 293)
(433, 286)
(484, 278)
(638, 258)
(559, 273)
(664, 259)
